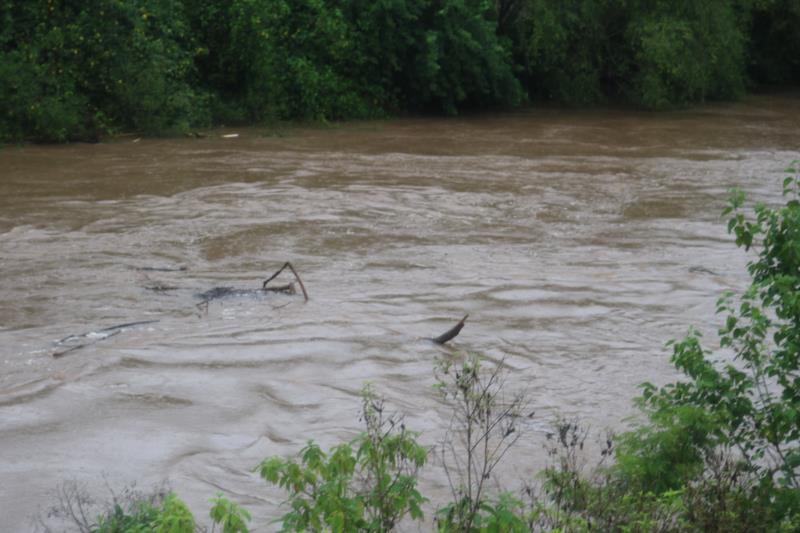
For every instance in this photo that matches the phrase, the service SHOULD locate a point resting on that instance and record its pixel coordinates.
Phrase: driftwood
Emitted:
(296, 275)
(162, 269)
(160, 287)
(450, 333)
(702, 270)
(232, 292)
(94, 336)
(224, 292)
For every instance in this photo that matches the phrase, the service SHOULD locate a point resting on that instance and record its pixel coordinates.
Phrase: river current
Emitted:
(579, 243)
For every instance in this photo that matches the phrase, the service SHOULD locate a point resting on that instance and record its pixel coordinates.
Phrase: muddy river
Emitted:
(578, 242)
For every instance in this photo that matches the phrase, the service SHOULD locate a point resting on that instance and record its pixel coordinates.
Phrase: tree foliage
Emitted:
(78, 70)
(752, 403)
(733, 425)
(367, 485)
(720, 448)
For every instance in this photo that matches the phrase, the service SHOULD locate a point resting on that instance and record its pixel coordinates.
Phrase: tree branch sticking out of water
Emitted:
(451, 333)
(225, 292)
(296, 275)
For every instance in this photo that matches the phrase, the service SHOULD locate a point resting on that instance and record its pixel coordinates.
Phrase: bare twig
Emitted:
(482, 429)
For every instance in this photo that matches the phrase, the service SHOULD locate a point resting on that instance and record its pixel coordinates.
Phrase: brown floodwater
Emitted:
(579, 242)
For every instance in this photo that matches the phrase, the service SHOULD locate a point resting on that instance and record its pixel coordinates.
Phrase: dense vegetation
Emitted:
(716, 451)
(77, 70)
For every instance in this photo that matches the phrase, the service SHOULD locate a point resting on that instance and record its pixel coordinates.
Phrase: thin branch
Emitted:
(296, 275)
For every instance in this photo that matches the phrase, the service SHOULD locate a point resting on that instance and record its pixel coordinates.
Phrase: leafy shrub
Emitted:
(367, 485)
(134, 511)
(731, 431)
(719, 450)
(229, 515)
(754, 400)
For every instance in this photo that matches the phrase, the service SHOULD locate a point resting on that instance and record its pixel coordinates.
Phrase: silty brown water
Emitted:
(579, 243)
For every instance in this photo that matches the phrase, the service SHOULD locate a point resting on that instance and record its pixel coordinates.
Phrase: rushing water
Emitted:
(578, 242)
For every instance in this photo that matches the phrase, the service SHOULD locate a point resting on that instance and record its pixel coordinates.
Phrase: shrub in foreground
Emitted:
(369, 484)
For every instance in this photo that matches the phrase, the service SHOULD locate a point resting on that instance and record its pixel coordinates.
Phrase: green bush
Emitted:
(754, 400)
(170, 515)
(719, 450)
(229, 515)
(367, 485)
(745, 411)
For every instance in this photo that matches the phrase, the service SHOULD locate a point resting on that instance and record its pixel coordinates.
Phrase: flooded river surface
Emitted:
(578, 242)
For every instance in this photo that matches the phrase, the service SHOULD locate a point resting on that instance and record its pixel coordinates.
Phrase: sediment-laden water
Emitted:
(579, 242)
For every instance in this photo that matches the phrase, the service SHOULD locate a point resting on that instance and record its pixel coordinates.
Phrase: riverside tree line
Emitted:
(75, 70)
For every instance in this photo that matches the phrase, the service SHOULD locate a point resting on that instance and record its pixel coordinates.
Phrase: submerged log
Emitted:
(162, 269)
(697, 269)
(225, 292)
(94, 336)
(160, 287)
(450, 333)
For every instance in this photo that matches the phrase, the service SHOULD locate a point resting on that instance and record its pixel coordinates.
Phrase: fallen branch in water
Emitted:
(224, 292)
(161, 269)
(283, 289)
(59, 353)
(296, 275)
(450, 333)
(95, 336)
(160, 288)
